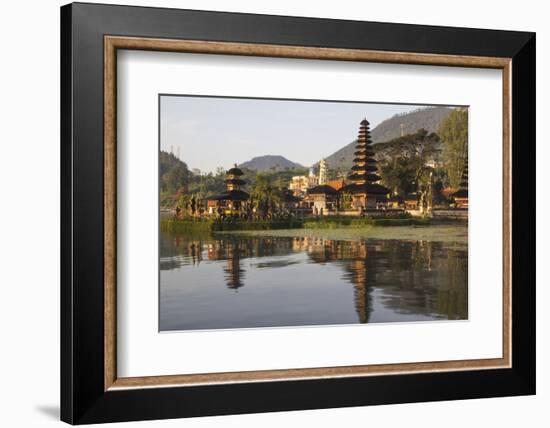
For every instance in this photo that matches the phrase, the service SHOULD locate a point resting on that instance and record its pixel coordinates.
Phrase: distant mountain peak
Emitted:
(270, 162)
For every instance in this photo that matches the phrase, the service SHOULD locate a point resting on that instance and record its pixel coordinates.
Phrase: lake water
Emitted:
(300, 277)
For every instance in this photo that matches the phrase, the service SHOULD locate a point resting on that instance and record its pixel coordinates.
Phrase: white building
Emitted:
(299, 184)
(322, 172)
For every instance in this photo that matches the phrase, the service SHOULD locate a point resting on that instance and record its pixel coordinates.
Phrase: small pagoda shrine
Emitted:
(461, 195)
(231, 201)
(364, 188)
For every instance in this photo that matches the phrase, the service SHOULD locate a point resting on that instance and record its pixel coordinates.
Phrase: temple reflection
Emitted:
(408, 277)
(353, 258)
(234, 272)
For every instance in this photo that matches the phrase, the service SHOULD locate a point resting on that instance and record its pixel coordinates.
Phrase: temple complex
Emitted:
(358, 194)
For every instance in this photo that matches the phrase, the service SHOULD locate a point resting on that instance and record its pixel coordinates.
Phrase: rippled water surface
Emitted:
(293, 278)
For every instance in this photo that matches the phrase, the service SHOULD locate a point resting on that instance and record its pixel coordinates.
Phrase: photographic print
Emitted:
(279, 212)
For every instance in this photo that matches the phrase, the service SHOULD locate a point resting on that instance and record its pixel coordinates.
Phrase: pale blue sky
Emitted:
(214, 132)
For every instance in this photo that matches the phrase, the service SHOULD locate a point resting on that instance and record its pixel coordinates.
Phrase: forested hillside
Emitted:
(177, 180)
(429, 119)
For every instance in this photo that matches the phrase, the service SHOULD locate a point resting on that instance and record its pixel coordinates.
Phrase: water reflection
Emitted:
(278, 281)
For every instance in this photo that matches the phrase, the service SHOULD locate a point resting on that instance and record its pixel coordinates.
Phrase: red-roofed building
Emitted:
(336, 184)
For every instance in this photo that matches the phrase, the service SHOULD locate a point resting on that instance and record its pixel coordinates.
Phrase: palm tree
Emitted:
(265, 197)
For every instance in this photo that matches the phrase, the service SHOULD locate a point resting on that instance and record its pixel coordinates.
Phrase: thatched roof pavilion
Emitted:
(323, 197)
(322, 189)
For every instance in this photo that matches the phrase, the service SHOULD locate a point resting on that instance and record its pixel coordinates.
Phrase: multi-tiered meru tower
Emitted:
(461, 195)
(364, 187)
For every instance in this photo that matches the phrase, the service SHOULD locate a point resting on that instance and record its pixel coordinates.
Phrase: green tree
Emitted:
(183, 202)
(346, 200)
(405, 161)
(204, 185)
(176, 177)
(174, 173)
(265, 196)
(454, 135)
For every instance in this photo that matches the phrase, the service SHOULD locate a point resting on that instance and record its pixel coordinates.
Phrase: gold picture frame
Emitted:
(114, 43)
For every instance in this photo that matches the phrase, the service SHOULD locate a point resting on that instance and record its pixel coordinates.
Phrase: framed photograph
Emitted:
(266, 213)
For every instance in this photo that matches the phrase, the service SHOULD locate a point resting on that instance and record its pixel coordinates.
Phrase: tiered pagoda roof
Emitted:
(462, 191)
(363, 176)
(233, 176)
(231, 195)
(233, 183)
(235, 171)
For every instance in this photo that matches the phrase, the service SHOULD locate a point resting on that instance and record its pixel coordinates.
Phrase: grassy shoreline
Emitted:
(452, 234)
(216, 225)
